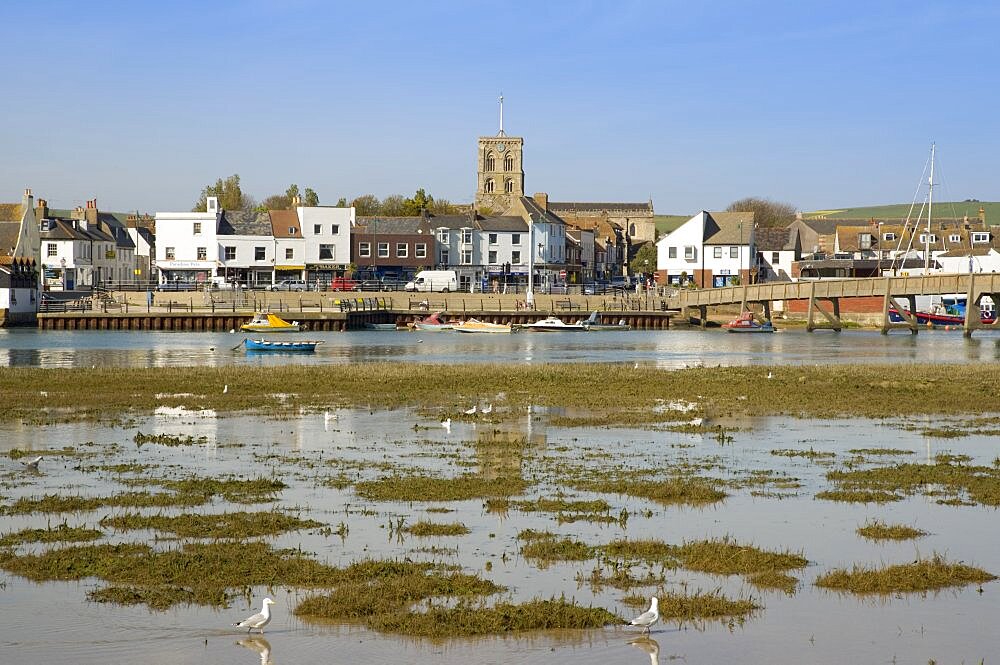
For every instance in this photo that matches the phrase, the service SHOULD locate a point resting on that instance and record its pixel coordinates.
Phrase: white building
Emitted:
(187, 248)
(711, 249)
(327, 234)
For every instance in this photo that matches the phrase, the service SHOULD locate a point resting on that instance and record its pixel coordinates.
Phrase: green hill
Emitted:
(897, 211)
(667, 223)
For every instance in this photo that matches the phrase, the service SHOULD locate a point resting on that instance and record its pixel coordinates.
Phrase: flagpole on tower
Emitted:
(501, 115)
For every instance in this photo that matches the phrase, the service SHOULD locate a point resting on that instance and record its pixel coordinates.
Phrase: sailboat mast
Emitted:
(930, 208)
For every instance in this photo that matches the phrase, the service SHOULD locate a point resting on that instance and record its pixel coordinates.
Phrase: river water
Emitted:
(53, 622)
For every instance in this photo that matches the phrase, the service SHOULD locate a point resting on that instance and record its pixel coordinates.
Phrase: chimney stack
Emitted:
(982, 214)
(42, 209)
(296, 201)
(542, 199)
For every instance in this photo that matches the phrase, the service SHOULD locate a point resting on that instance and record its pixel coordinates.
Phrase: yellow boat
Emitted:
(477, 326)
(267, 322)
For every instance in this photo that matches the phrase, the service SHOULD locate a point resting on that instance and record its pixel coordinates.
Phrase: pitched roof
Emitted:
(544, 216)
(9, 233)
(770, 239)
(243, 223)
(580, 207)
(63, 230)
(728, 228)
(11, 212)
(392, 225)
(509, 223)
(282, 221)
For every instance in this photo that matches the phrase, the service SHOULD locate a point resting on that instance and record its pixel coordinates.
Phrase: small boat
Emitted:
(554, 324)
(267, 322)
(940, 318)
(380, 326)
(432, 323)
(746, 323)
(306, 345)
(477, 326)
(593, 322)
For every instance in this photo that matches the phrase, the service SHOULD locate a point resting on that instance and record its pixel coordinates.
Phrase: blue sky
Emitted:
(692, 104)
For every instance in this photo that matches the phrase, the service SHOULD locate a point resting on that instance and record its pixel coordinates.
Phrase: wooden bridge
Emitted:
(824, 297)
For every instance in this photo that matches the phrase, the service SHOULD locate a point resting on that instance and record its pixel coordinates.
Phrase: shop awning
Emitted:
(289, 267)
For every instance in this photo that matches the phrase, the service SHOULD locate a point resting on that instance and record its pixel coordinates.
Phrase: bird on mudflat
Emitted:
(32, 465)
(258, 620)
(647, 618)
(225, 389)
(488, 409)
(446, 424)
(471, 411)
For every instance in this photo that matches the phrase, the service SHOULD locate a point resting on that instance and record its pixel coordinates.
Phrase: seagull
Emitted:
(471, 411)
(770, 375)
(232, 331)
(258, 620)
(32, 465)
(225, 389)
(635, 366)
(647, 618)
(488, 409)
(447, 425)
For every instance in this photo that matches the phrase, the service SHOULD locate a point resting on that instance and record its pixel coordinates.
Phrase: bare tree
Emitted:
(765, 211)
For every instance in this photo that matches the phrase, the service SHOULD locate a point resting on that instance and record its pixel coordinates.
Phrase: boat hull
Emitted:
(299, 346)
(926, 318)
(475, 326)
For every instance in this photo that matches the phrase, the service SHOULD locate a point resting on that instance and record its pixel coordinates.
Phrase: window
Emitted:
(289, 253)
(865, 240)
(671, 252)
(383, 250)
(335, 229)
(51, 249)
(445, 257)
(326, 252)
(202, 253)
(489, 186)
(169, 253)
(493, 238)
(515, 257)
(508, 163)
(317, 229)
(954, 237)
(402, 250)
(466, 236)
(515, 238)
(229, 253)
(889, 237)
(491, 162)
(775, 258)
(716, 252)
(365, 249)
(924, 239)
(689, 252)
(196, 228)
(508, 185)
(492, 256)
(292, 230)
(259, 254)
(420, 250)
(980, 237)
(734, 252)
(466, 257)
(443, 236)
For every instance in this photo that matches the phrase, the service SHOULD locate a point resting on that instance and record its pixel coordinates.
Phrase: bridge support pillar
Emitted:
(908, 314)
(832, 320)
(703, 315)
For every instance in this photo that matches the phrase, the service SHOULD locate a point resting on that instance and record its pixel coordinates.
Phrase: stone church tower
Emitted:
(500, 170)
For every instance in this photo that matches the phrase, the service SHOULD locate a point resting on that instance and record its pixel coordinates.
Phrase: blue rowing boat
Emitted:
(307, 346)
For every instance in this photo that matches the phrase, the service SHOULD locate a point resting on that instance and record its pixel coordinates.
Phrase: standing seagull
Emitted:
(32, 465)
(258, 620)
(447, 425)
(471, 411)
(647, 618)
(225, 389)
(488, 409)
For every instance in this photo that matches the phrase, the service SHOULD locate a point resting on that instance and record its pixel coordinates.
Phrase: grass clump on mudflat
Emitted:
(224, 525)
(878, 530)
(467, 620)
(674, 490)
(561, 505)
(725, 556)
(170, 440)
(922, 575)
(547, 550)
(424, 528)
(61, 533)
(858, 496)
(698, 605)
(57, 503)
(949, 474)
(430, 488)
(653, 551)
(808, 454)
(208, 570)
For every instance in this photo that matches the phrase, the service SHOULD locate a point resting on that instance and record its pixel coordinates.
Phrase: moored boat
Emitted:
(746, 323)
(432, 323)
(594, 322)
(554, 324)
(305, 345)
(477, 326)
(380, 326)
(267, 322)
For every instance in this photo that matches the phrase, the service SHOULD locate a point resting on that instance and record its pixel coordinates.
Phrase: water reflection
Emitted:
(260, 645)
(650, 646)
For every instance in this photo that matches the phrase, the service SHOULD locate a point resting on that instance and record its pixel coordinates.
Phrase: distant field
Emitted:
(899, 210)
(667, 223)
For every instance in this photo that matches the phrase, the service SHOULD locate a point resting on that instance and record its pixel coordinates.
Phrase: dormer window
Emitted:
(291, 230)
(443, 236)
(954, 237)
(980, 237)
(888, 237)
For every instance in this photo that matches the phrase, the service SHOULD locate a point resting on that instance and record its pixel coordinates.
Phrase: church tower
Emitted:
(500, 170)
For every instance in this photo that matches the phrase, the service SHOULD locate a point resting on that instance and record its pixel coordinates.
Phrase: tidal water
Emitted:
(669, 349)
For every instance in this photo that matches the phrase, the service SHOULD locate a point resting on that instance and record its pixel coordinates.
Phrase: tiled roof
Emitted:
(282, 221)
(392, 225)
(581, 207)
(503, 223)
(728, 228)
(11, 212)
(772, 239)
(63, 231)
(9, 233)
(243, 223)
(546, 216)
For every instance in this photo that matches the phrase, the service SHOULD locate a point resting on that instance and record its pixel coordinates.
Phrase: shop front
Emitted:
(186, 273)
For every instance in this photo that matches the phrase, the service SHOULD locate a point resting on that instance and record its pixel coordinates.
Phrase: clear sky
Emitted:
(693, 104)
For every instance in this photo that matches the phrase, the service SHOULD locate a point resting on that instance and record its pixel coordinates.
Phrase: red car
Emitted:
(343, 284)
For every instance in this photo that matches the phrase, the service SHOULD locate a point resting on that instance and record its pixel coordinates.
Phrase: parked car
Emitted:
(343, 284)
(290, 285)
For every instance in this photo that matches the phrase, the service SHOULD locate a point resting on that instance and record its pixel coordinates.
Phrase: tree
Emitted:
(420, 202)
(765, 211)
(230, 196)
(310, 198)
(393, 206)
(366, 205)
(644, 260)
(342, 202)
(286, 201)
(443, 207)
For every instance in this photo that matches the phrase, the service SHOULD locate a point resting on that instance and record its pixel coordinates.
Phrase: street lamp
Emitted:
(739, 256)
(529, 296)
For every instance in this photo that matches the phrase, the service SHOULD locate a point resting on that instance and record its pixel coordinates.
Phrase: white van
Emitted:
(433, 280)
